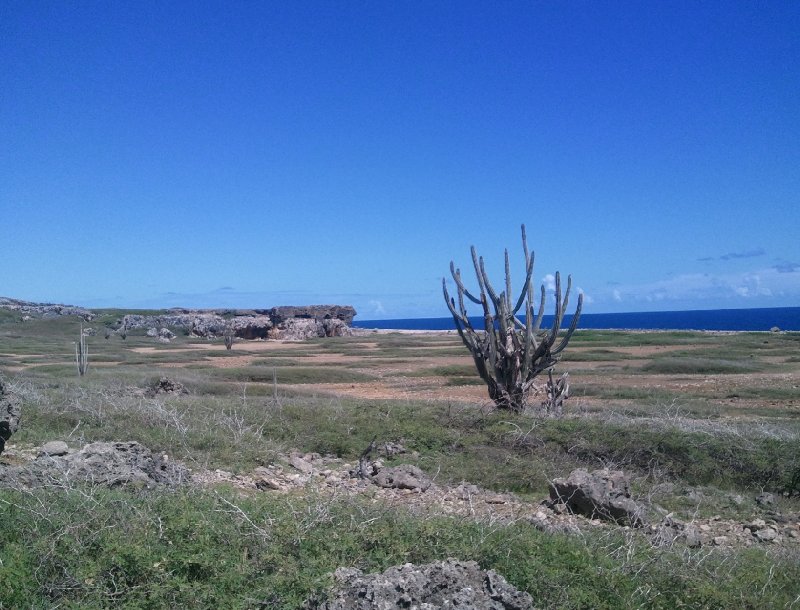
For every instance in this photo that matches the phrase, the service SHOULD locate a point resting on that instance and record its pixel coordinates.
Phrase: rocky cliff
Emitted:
(287, 322)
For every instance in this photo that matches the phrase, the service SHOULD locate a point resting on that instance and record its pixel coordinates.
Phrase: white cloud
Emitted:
(705, 289)
(549, 282)
(586, 298)
(376, 307)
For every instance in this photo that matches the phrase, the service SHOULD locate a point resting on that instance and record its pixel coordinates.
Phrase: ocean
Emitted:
(763, 319)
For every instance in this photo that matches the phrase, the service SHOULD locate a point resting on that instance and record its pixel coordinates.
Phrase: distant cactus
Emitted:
(228, 336)
(82, 354)
(509, 353)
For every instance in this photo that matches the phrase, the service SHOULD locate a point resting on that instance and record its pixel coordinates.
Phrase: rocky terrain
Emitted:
(211, 477)
(285, 322)
(44, 310)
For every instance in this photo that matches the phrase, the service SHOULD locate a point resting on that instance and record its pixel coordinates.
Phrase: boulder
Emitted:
(765, 499)
(403, 476)
(442, 584)
(54, 448)
(9, 414)
(602, 494)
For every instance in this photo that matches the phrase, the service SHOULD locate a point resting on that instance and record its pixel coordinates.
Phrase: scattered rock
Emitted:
(391, 449)
(720, 540)
(266, 480)
(766, 534)
(765, 499)
(165, 385)
(152, 332)
(301, 464)
(54, 448)
(602, 494)
(9, 414)
(672, 530)
(442, 584)
(108, 464)
(691, 536)
(403, 476)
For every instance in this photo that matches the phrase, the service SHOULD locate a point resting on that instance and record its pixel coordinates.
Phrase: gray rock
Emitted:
(672, 530)
(442, 584)
(108, 464)
(691, 536)
(603, 494)
(765, 499)
(251, 327)
(403, 476)
(297, 462)
(288, 322)
(345, 313)
(152, 332)
(298, 329)
(44, 310)
(10, 408)
(766, 534)
(54, 448)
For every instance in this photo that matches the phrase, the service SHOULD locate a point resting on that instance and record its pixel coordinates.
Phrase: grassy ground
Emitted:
(680, 411)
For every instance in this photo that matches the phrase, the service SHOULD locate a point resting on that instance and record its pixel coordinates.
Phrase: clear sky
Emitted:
(252, 154)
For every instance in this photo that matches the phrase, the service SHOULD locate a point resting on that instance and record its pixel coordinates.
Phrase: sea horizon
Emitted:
(750, 319)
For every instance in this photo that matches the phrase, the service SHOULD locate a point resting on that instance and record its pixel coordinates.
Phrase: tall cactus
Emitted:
(82, 354)
(509, 353)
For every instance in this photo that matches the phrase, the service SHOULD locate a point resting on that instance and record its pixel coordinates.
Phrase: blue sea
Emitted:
(785, 318)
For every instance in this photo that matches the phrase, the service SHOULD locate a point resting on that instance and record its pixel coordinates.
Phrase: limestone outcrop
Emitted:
(288, 322)
(441, 584)
(113, 464)
(602, 494)
(44, 310)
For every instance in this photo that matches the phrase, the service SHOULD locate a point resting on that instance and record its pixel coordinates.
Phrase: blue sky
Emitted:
(255, 154)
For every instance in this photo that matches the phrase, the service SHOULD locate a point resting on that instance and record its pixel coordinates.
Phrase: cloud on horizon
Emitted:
(734, 255)
(786, 267)
(706, 289)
